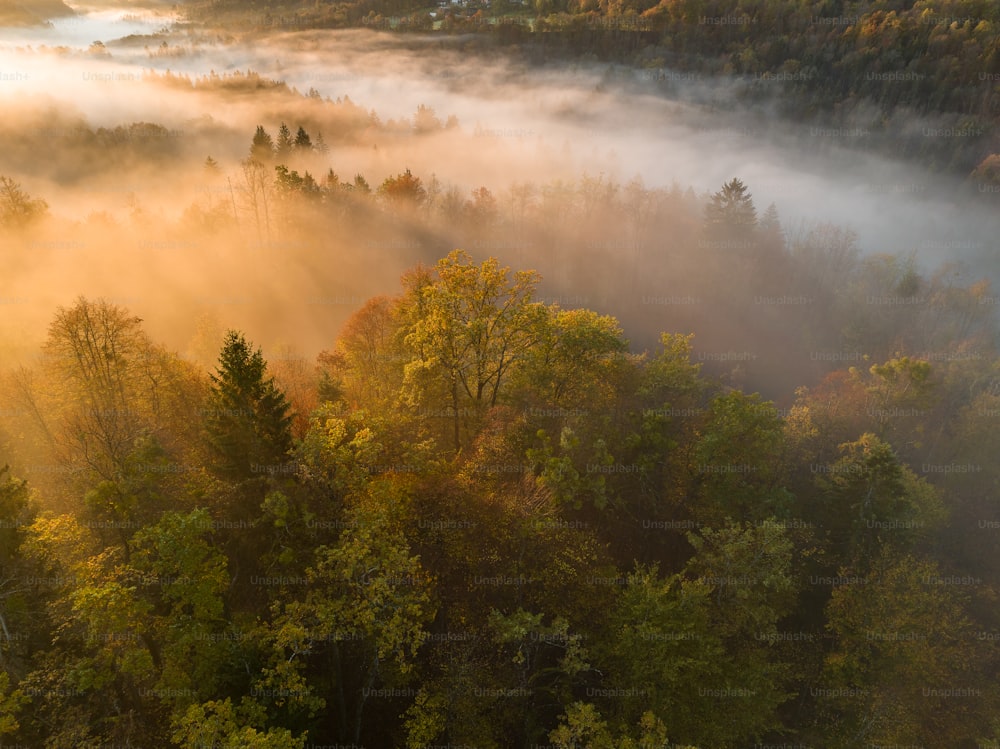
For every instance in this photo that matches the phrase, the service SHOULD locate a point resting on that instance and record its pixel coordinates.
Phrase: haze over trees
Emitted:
(499, 527)
(317, 445)
(859, 67)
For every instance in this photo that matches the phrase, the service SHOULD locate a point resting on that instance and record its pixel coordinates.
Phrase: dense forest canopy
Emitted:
(321, 427)
(481, 520)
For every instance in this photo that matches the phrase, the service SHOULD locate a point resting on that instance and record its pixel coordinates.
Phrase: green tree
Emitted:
(691, 645)
(904, 668)
(187, 601)
(738, 461)
(873, 502)
(575, 361)
(363, 615)
(16, 514)
(11, 701)
(248, 420)
(218, 723)
(582, 725)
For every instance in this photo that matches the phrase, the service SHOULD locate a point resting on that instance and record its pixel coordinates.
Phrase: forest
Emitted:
(483, 517)
(334, 415)
(872, 66)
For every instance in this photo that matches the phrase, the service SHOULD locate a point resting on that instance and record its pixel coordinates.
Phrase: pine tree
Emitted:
(284, 146)
(248, 420)
(772, 235)
(320, 145)
(770, 223)
(731, 207)
(302, 140)
(262, 148)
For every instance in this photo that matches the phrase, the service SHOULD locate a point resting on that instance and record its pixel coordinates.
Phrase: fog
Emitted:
(110, 229)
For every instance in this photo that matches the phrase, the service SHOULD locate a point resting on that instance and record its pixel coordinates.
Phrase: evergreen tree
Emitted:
(731, 207)
(302, 140)
(249, 427)
(262, 148)
(284, 145)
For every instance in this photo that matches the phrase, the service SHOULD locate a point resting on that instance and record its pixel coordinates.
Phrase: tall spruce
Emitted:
(248, 420)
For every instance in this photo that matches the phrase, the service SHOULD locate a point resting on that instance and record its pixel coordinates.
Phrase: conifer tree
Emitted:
(302, 140)
(285, 142)
(248, 420)
(262, 148)
(731, 207)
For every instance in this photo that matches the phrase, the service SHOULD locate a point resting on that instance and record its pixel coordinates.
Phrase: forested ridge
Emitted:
(918, 80)
(485, 519)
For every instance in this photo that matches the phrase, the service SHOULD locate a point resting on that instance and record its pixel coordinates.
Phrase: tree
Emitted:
(363, 615)
(111, 405)
(873, 502)
(320, 145)
(575, 360)
(11, 701)
(904, 668)
(302, 140)
(284, 145)
(16, 515)
(481, 211)
(684, 643)
(262, 148)
(295, 193)
(770, 226)
(248, 424)
(404, 191)
(18, 210)
(96, 350)
(737, 461)
(218, 723)
(255, 191)
(466, 326)
(731, 210)
(372, 359)
(187, 604)
(360, 187)
(425, 121)
(582, 725)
